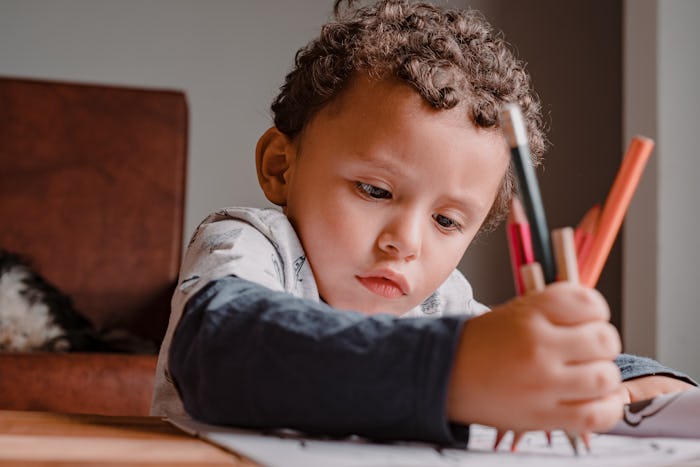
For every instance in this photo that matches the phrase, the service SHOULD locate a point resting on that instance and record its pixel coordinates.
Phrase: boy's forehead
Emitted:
(380, 107)
(367, 98)
(377, 111)
(363, 89)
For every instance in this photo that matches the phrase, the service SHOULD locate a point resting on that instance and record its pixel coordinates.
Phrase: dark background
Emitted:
(574, 55)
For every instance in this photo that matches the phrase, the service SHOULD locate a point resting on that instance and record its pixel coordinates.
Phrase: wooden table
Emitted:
(42, 438)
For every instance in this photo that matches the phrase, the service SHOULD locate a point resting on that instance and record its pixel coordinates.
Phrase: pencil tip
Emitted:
(644, 139)
(511, 120)
(517, 213)
(573, 440)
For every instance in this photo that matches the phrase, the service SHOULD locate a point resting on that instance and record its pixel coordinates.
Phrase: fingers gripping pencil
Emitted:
(543, 271)
(564, 244)
(533, 278)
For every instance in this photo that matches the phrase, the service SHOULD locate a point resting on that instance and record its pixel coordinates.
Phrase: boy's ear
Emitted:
(274, 154)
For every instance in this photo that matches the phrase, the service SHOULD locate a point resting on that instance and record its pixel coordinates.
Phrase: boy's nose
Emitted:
(401, 238)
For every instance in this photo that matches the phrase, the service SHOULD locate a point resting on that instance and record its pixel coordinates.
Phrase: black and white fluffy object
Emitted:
(36, 316)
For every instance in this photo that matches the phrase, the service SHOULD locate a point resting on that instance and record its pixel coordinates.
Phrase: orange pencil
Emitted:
(616, 204)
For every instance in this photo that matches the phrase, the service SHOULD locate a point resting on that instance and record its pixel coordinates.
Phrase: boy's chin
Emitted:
(382, 307)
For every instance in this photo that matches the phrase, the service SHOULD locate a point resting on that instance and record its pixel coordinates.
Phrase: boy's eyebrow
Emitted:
(379, 163)
(467, 204)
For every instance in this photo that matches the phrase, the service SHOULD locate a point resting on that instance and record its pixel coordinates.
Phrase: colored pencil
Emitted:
(519, 242)
(533, 277)
(615, 207)
(565, 254)
(585, 230)
(512, 123)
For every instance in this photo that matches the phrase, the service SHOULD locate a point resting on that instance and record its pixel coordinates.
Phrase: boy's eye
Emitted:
(373, 191)
(446, 223)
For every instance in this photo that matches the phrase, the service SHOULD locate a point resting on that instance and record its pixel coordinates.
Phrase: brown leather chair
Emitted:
(92, 189)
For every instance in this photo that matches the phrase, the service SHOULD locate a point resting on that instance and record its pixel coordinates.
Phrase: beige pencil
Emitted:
(565, 254)
(533, 277)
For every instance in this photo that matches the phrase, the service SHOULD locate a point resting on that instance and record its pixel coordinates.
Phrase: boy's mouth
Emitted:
(386, 284)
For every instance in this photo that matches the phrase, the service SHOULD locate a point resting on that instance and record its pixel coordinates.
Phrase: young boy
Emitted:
(344, 313)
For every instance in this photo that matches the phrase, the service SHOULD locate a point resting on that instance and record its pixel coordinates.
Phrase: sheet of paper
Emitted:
(286, 449)
(672, 415)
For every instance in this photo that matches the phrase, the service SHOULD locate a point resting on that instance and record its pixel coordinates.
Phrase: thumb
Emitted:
(569, 304)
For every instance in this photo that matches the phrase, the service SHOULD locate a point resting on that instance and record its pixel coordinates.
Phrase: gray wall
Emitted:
(679, 213)
(640, 235)
(574, 54)
(662, 262)
(228, 56)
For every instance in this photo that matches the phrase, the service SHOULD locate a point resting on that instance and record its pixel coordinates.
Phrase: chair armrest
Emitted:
(96, 383)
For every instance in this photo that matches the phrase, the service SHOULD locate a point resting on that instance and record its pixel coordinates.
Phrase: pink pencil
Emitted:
(519, 242)
(585, 232)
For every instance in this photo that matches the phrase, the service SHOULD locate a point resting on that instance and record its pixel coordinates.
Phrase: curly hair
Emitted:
(450, 57)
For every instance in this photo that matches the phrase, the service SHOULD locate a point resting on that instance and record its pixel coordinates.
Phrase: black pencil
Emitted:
(514, 129)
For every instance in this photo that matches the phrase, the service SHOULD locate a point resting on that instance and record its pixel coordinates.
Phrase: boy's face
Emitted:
(386, 193)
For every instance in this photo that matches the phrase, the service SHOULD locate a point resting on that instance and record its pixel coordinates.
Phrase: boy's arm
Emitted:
(248, 356)
(645, 378)
(633, 366)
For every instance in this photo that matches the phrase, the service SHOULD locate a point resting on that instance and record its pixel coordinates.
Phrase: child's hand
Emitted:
(647, 387)
(542, 361)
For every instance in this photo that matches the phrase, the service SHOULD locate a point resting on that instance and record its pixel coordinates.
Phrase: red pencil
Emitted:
(519, 242)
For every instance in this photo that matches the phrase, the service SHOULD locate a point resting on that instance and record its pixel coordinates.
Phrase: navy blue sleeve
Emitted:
(633, 366)
(247, 356)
